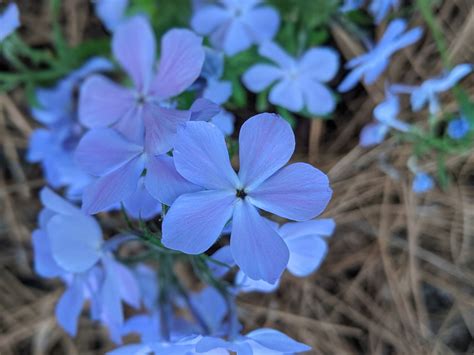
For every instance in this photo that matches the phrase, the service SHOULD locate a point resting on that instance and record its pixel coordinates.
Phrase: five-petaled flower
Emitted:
(195, 220)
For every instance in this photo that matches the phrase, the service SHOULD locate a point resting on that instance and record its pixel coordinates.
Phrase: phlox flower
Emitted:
(212, 87)
(195, 220)
(300, 81)
(428, 91)
(9, 20)
(378, 8)
(307, 245)
(372, 64)
(386, 118)
(111, 12)
(422, 182)
(53, 145)
(234, 25)
(458, 128)
(129, 110)
(260, 341)
(119, 165)
(69, 245)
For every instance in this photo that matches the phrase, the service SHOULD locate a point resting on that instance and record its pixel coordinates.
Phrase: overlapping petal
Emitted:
(261, 76)
(320, 64)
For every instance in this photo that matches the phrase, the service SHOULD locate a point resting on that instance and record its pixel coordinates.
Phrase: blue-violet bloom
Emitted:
(9, 21)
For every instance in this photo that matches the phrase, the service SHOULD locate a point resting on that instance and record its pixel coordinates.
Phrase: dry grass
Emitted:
(399, 278)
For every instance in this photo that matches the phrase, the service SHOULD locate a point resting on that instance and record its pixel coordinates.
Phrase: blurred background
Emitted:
(399, 276)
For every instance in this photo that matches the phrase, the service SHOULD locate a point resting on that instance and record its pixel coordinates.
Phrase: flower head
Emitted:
(373, 63)
(9, 21)
(195, 220)
(422, 182)
(458, 128)
(234, 25)
(300, 82)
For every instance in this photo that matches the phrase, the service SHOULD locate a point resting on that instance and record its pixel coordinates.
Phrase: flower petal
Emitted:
(298, 191)
(76, 242)
(97, 109)
(133, 45)
(112, 188)
(111, 12)
(45, 265)
(235, 38)
(217, 91)
(321, 227)
(56, 203)
(163, 181)
(306, 253)
(102, 151)
(207, 18)
(69, 307)
(373, 134)
(204, 110)
(141, 204)
(351, 79)
(9, 20)
(201, 156)
(288, 94)
(275, 53)
(277, 341)
(260, 76)
(318, 98)
(266, 144)
(320, 64)
(161, 125)
(182, 57)
(263, 22)
(195, 220)
(246, 284)
(256, 247)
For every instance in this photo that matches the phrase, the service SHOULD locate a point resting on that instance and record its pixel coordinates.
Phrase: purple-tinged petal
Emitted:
(306, 253)
(373, 73)
(275, 53)
(113, 188)
(212, 307)
(406, 39)
(56, 203)
(182, 57)
(318, 98)
(127, 283)
(161, 125)
(298, 191)
(260, 76)
(204, 110)
(263, 22)
(45, 265)
(256, 247)
(266, 144)
(217, 91)
(207, 18)
(246, 284)
(320, 64)
(102, 151)
(277, 341)
(195, 220)
(209, 344)
(133, 45)
(321, 227)
(69, 306)
(450, 79)
(76, 242)
(351, 79)
(236, 38)
(102, 102)
(201, 156)
(225, 121)
(141, 204)
(372, 134)
(132, 349)
(288, 94)
(9, 20)
(163, 181)
(111, 12)
(394, 29)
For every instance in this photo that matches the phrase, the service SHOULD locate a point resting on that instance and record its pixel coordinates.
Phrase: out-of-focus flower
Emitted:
(234, 25)
(300, 82)
(372, 64)
(298, 191)
(111, 12)
(386, 116)
(378, 8)
(458, 128)
(422, 182)
(9, 20)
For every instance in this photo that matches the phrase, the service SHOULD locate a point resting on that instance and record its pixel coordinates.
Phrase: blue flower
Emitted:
(373, 63)
(53, 146)
(129, 110)
(195, 220)
(9, 21)
(300, 82)
(69, 245)
(422, 182)
(111, 12)
(386, 116)
(119, 164)
(260, 341)
(234, 25)
(378, 8)
(429, 90)
(213, 88)
(458, 128)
